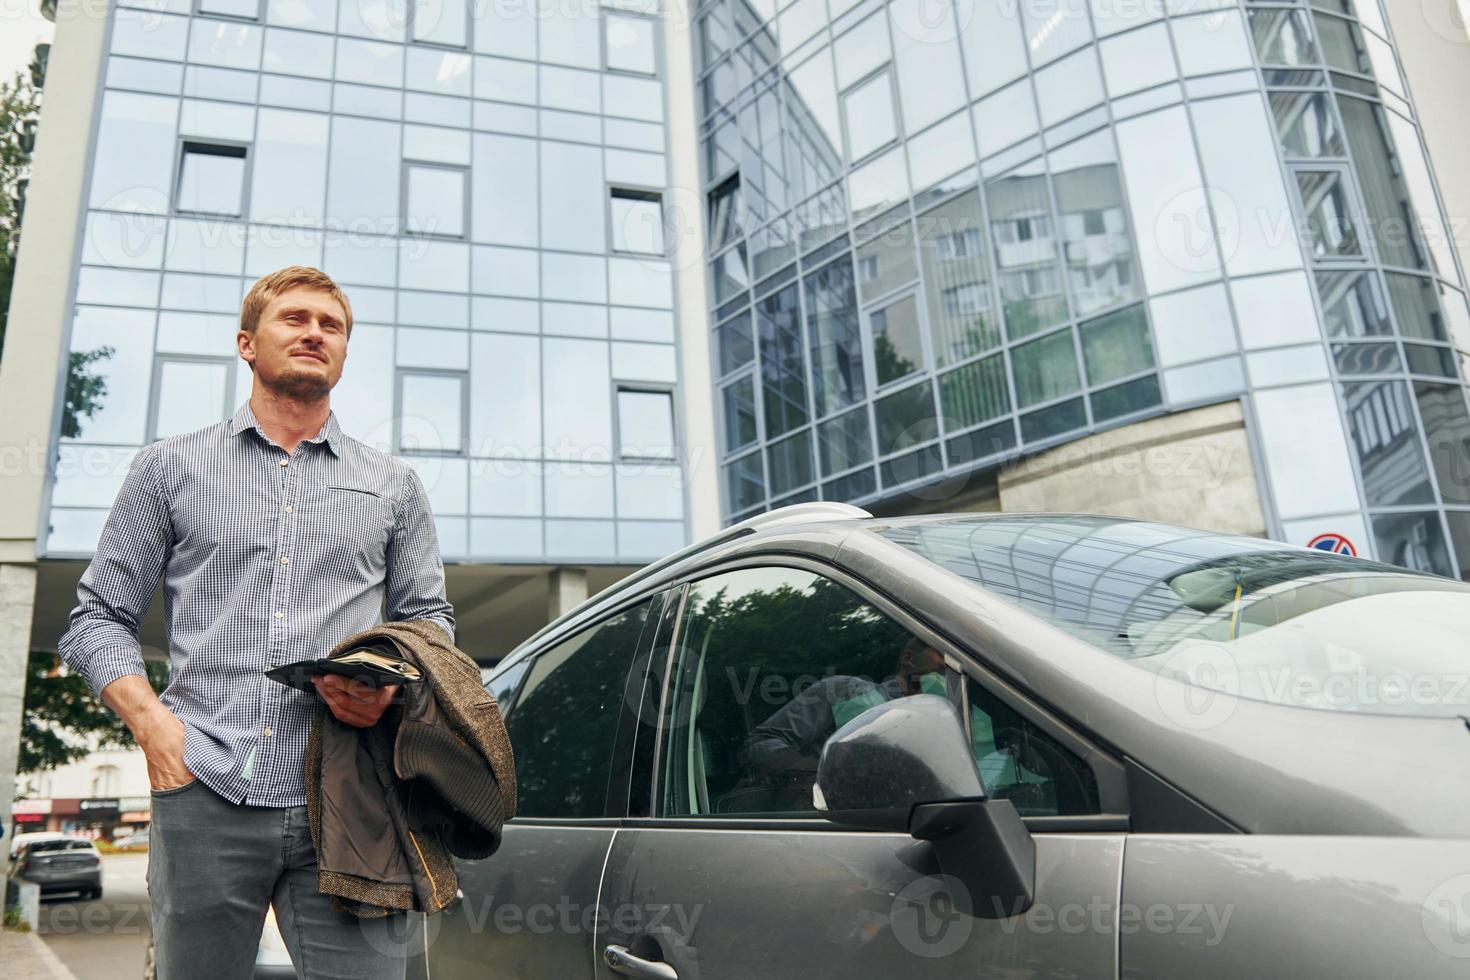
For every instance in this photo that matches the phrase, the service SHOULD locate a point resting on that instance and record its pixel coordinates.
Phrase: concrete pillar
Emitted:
(17, 603)
(684, 210)
(566, 589)
(33, 371)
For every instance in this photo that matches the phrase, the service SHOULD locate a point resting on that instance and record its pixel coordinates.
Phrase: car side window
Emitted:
(502, 686)
(1021, 763)
(564, 719)
(770, 663)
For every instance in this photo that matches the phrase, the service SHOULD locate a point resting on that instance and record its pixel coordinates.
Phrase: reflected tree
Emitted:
(888, 362)
(63, 721)
(20, 106)
(84, 389)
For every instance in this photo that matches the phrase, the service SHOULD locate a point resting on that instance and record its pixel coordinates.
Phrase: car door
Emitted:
(1212, 907)
(528, 910)
(726, 870)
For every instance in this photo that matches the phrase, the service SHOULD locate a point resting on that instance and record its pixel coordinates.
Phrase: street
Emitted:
(104, 939)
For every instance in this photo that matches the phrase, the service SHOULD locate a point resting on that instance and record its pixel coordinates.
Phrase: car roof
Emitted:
(35, 835)
(821, 525)
(55, 839)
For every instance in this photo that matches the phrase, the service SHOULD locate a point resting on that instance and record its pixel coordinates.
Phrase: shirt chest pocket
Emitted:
(345, 529)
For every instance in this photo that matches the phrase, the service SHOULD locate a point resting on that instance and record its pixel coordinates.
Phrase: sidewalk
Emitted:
(27, 957)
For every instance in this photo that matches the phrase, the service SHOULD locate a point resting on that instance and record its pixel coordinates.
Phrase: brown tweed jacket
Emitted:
(389, 806)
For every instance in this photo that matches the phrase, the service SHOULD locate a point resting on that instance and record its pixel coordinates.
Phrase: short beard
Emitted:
(303, 388)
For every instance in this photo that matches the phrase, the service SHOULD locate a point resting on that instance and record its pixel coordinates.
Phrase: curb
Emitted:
(41, 952)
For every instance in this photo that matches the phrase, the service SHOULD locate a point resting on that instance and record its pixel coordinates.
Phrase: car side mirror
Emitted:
(906, 766)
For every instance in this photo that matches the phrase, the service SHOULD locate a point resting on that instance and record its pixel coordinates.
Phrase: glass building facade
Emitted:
(943, 235)
(486, 181)
(937, 236)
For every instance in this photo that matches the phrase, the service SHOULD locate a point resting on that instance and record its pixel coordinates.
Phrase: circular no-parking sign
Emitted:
(1333, 542)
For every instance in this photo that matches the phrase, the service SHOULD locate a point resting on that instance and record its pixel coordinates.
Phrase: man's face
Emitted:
(915, 663)
(300, 345)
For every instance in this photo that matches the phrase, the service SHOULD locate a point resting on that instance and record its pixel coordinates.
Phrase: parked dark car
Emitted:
(58, 865)
(822, 744)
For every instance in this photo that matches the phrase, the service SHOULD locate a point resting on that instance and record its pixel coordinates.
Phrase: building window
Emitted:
(190, 393)
(637, 222)
(868, 108)
(436, 199)
(960, 245)
(1023, 229)
(1331, 224)
(242, 9)
(1034, 281)
(431, 412)
(898, 349)
(965, 299)
(212, 179)
(440, 22)
(724, 213)
(629, 43)
(645, 424)
(106, 781)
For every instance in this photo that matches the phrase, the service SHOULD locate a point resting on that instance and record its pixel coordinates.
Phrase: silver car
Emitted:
(60, 864)
(827, 745)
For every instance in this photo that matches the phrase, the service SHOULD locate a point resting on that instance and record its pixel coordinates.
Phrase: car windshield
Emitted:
(1242, 615)
(59, 845)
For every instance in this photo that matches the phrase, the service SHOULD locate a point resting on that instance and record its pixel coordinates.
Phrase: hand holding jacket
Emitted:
(390, 804)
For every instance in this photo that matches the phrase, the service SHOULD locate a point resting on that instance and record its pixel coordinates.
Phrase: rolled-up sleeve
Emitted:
(101, 640)
(414, 583)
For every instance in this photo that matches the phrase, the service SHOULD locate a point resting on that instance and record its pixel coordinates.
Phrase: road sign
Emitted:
(1336, 543)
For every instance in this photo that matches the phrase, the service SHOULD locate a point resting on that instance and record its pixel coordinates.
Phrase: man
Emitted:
(276, 536)
(784, 750)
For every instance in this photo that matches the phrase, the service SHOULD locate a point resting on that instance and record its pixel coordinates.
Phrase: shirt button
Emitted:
(285, 462)
(285, 560)
(267, 731)
(280, 615)
(290, 509)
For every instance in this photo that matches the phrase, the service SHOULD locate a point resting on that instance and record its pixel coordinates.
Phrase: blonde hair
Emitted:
(269, 287)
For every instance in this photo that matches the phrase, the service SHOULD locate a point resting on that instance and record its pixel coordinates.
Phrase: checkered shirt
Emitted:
(266, 558)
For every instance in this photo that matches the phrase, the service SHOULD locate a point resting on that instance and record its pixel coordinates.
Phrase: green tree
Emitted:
(63, 721)
(20, 106)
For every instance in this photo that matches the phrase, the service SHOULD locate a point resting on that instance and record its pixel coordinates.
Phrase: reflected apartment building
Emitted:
(628, 271)
(1179, 260)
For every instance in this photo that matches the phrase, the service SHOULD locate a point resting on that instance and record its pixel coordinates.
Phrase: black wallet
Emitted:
(374, 665)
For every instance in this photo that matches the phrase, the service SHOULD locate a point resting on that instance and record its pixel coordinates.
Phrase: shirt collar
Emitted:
(331, 433)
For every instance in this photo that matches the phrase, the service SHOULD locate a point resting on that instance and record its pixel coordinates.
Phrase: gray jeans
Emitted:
(214, 867)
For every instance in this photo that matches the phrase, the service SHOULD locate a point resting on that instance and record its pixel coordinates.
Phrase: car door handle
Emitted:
(621, 960)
